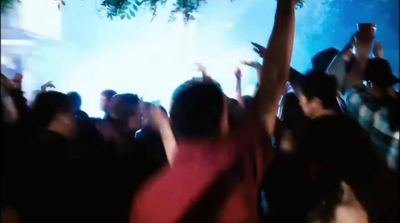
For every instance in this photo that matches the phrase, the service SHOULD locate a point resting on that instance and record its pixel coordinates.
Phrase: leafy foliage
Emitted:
(127, 9)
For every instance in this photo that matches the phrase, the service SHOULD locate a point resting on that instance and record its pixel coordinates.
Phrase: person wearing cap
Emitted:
(375, 106)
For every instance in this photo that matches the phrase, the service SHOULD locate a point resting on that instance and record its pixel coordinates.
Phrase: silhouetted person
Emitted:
(57, 186)
(376, 108)
(338, 160)
(105, 101)
(150, 139)
(216, 174)
(76, 101)
(127, 167)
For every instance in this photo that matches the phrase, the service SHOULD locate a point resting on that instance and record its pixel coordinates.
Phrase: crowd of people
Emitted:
(314, 147)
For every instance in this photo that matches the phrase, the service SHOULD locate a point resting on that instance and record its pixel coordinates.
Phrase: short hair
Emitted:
(76, 99)
(196, 110)
(317, 84)
(108, 93)
(123, 106)
(47, 105)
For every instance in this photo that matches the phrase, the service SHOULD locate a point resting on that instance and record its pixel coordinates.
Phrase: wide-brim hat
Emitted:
(379, 72)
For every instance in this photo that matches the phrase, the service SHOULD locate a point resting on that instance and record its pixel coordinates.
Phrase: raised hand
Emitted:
(201, 68)
(254, 64)
(378, 50)
(352, 41)
(260, 50)
(363, 49)
(47, 85)
(238, 74)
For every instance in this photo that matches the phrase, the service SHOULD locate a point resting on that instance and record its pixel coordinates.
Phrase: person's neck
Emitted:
(59, 129)
(324, 112)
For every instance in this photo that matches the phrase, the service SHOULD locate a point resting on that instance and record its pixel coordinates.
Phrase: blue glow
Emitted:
(152, 58)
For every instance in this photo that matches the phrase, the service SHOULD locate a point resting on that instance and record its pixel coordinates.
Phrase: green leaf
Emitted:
(132, 13)
(134, 7)
(138, 2)
(128, 17)
(122, 17)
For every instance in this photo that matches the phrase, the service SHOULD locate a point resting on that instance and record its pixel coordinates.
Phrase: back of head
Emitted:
(342, 151)
(197, 109)
(248, 100)
(322, 60)
(76, 100)
(317, 84)
(109, 93)
(47, 105)
(124, 105)
(379, 72)
(148, 119)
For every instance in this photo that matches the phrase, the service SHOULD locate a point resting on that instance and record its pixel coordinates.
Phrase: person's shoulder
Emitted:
(356, 92)
(333, 122)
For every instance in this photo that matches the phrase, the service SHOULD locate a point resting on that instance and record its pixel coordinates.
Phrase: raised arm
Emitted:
(167, 136)
(239, 97)
(47, 85)
(294, 77)
(276, 65)
(378, 50)
(356, 75)
(338, 64)
(201, 68)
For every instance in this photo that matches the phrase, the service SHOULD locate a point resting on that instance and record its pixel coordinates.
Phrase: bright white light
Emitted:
(41, 17)
(16, 42)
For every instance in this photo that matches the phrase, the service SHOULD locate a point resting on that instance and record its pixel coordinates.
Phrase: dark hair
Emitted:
(379, 72)
(342, 151)
(108, 93)
(293, 116)
(76, 100)
(317, 84)
(248, 101)
(123, 106)
(47, 105)
(322, 60)
(196, 110)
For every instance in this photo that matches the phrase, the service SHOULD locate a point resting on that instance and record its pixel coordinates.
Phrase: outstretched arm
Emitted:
(47, 85)
(239, 97)
(167, 136)
(276, 65)
(356, 75)
(294, 77)
(338, 64)
(204, 73)
(378, 50)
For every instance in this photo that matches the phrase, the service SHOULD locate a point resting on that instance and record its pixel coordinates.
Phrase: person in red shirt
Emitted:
(216, 173)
